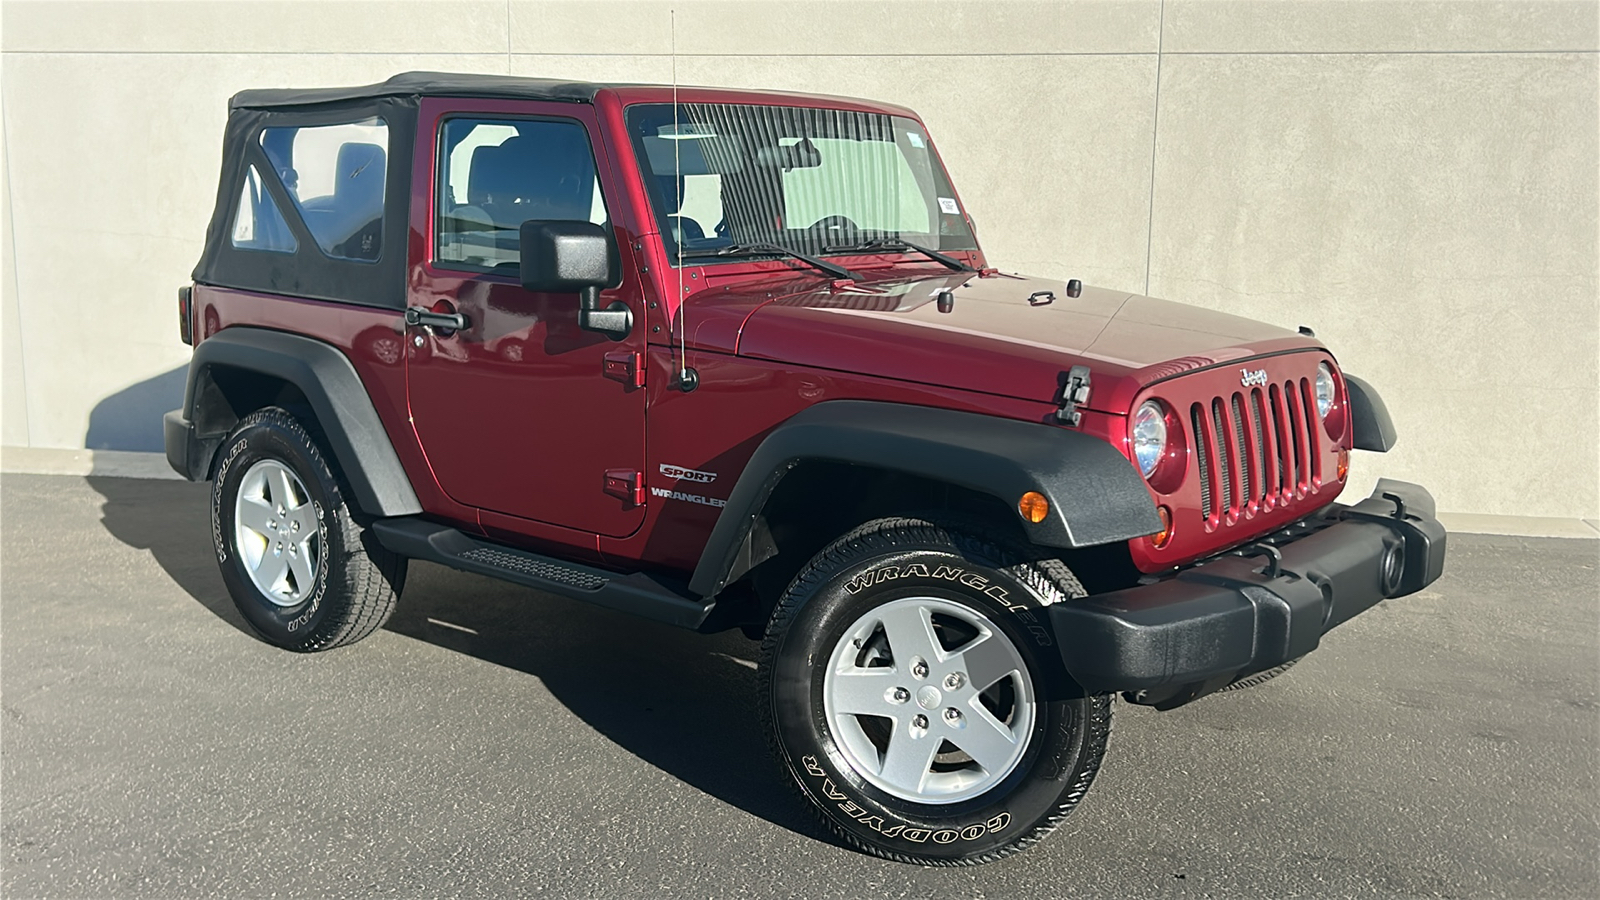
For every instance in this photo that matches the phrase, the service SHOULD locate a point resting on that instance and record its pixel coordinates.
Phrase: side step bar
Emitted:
(637, 593)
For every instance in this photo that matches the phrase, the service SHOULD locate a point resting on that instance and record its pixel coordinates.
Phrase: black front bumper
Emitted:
(1177, 639)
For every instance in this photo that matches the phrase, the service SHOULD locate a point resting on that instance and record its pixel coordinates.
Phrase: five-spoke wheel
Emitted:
(275, 529)
(930, 700)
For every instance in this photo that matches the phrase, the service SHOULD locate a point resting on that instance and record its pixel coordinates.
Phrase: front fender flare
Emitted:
(1096, 496)
(1370, 422)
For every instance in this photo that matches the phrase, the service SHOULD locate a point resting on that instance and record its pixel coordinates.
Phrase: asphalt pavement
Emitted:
(495, 741)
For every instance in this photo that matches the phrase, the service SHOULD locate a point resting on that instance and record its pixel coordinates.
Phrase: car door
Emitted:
(519, 411)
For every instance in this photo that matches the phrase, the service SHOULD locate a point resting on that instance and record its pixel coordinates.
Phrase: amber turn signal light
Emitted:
(1160, 538)
(1034, 507)
(1344, 463)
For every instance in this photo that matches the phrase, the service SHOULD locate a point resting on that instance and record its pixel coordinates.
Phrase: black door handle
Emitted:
(417, 315)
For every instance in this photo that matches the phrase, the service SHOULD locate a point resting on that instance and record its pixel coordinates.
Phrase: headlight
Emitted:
(1324, 390)
(1149, 436)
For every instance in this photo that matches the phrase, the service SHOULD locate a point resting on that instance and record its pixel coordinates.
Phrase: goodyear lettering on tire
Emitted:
(903, 831)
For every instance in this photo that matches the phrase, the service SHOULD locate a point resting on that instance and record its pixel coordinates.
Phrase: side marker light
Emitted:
(1160, 538)
(1034, 507)
(1344, 463)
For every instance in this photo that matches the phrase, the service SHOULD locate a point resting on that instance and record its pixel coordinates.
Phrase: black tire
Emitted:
(917, 562)
(356, 582)
(1250, 681)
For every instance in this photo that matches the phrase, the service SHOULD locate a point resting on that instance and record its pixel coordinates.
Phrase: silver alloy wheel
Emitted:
(895, 698)
(275, 532)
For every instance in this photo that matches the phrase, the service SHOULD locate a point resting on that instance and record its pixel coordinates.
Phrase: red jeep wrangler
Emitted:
(735, 359)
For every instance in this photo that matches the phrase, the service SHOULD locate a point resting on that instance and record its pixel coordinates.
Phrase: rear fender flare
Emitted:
(324, 375)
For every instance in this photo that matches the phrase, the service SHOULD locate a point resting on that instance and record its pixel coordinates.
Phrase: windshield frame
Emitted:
(949, 233)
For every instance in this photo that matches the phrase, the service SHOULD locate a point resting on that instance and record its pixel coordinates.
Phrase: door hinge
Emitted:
(626, 366)
(1074, 390)
(626, 484)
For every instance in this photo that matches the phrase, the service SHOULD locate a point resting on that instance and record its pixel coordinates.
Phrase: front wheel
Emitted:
(916, 696)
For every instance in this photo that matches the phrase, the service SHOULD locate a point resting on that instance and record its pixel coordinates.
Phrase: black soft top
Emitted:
(425, 84)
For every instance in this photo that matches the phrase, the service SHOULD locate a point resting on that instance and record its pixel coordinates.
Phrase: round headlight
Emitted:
(1149, 436)
(1324, 390)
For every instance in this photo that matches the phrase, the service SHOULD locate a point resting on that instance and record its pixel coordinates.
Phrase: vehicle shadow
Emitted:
(682, 702)
(130, 419)
(171, 519)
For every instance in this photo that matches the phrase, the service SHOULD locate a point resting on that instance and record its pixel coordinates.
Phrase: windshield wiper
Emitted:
(762, 248)
(902, 244)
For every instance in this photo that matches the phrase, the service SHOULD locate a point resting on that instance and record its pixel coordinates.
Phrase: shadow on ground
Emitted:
(130, 419)
(680, 701)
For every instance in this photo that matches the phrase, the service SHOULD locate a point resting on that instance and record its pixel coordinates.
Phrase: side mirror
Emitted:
(562, 257)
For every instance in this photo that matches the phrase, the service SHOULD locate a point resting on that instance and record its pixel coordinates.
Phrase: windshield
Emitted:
(816, 181)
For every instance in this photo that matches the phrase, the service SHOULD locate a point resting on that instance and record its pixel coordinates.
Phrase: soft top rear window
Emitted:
(335, 173)
(313, 202)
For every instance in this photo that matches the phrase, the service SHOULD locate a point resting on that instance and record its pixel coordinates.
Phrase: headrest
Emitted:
(360, 167)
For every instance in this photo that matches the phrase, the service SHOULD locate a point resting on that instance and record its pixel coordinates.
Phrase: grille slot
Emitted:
(1224, 464)
(1202, 458)
(1262, 458)
(1297, 427)
(1280, 420)
(1313, 432)
(1246, 475)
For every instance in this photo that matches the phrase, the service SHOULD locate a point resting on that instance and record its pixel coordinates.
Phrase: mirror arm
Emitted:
(615, 320)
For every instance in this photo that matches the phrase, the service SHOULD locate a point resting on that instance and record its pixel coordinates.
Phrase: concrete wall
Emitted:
(1415, 180)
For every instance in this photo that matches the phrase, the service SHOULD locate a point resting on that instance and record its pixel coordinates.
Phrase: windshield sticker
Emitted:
(948, 206)
(915, 139)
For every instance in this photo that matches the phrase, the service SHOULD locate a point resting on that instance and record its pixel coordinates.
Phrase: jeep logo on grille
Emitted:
(1248, 378)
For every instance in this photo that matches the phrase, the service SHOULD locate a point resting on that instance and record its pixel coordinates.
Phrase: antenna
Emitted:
(688, 379)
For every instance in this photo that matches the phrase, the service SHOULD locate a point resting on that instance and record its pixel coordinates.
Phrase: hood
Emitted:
(1006, 335)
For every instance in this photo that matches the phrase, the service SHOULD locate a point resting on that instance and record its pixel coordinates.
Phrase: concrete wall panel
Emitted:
(1387, 26)
(279, 26)
(13, 377)
(644, 69)
(1434, 219)
(836, 28)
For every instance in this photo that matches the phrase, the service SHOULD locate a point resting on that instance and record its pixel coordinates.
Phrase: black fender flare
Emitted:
(1369, 417)
(1096, 496)
(344, 411)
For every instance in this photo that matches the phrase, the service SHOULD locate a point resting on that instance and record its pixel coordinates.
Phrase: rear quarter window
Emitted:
(336, 175)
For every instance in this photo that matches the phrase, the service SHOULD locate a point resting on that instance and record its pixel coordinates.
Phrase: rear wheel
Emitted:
(303, 573)
(915, 694)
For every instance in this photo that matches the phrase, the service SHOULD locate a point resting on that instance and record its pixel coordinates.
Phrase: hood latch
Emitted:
(1074, 390)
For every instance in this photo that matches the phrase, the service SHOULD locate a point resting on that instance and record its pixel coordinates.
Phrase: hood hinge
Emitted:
(1074, 390)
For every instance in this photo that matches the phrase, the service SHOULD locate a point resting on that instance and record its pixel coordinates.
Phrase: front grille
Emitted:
(1255, 450)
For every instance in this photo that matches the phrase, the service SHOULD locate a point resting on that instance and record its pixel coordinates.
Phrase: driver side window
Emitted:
(496, 174)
